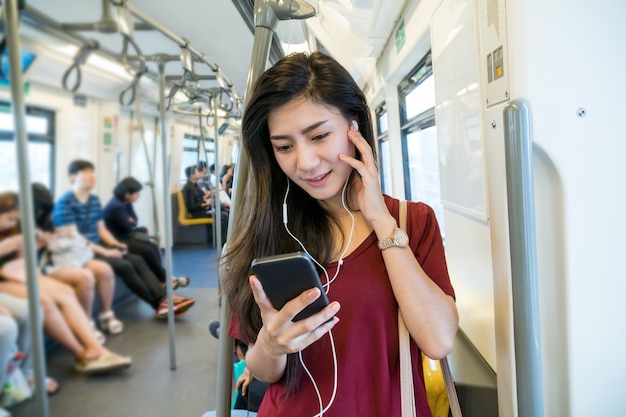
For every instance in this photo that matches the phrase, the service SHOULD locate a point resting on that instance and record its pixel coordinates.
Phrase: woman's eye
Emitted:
(320, 137)
(283, 148)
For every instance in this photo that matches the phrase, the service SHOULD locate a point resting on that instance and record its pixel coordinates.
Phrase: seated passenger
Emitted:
(226, 178)
(249, 391)
(206, 183)
(10, 358)
(207, 180)
(121, 220)
(94, 273)
(196, 205)
(16, 309)
(64, 319)
(79, 211)
(195, 202)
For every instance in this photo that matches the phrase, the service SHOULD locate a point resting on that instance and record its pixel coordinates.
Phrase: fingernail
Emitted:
(313, 294)
(252, 280)
(335, 306)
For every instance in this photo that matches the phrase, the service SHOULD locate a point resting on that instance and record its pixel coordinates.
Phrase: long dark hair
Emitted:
(259, 230)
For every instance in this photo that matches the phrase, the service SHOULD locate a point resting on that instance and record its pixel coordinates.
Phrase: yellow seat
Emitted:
(435, 387)
(184, 218)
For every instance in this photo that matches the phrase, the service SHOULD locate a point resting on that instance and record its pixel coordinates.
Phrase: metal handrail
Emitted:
(522, 236)
(267, 13)
(27, 222)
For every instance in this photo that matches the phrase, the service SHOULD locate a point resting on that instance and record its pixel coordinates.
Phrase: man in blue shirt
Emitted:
(80, 211)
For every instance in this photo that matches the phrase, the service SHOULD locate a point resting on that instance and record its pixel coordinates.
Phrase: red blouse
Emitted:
(366, 337)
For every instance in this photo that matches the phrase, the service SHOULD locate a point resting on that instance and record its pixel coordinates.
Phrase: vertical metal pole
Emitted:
(11, 17)
(265, 22)
(521, 207)
(167, 215)
(217, 216)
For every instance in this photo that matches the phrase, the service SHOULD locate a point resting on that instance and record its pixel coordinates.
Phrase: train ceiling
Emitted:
(353, 31)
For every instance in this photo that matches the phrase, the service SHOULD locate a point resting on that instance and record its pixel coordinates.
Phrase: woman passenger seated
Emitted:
(121, 220)
(64, 318)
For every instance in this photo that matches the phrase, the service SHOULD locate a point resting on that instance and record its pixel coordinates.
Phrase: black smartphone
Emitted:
(286, 276)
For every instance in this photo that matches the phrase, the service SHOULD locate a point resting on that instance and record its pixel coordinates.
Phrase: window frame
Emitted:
(381, 138)
(423, 120)
(48, 137)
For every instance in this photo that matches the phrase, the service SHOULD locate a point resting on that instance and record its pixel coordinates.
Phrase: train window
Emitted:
(382, 127)
(419, 137)
(421, 98)
(382, 120)
(191, 154)
(40, 131)
(209, 151)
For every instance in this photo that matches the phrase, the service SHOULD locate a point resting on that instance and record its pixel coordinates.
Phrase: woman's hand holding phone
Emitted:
(279, 334)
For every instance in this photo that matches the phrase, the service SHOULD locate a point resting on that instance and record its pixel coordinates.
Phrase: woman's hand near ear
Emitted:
(367, 185)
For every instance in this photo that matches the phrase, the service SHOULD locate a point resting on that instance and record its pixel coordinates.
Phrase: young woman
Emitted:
(121, 220)
(311, 161)
(64, 319)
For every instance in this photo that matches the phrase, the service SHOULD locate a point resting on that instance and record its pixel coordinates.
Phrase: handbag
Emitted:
(68, 251)
(407, 394)
(140, 236)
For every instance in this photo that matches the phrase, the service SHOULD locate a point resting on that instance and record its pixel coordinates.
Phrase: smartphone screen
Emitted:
(286, 276)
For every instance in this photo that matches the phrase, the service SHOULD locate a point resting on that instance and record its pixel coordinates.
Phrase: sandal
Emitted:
(109, 323)
(105, 363)
(100, 337)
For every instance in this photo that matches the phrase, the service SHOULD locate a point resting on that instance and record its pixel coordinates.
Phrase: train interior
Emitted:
(147, 88)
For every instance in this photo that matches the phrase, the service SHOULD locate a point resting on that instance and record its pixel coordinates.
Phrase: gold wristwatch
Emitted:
(397, 238)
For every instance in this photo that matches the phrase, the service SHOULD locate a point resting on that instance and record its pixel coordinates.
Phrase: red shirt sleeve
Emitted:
(425, 241)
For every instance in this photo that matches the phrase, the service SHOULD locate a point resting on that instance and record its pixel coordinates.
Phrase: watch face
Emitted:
(402, 238)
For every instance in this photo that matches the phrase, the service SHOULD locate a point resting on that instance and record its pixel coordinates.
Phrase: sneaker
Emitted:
(181, 305)
(105, 363)
(214, 328)
(180, 282)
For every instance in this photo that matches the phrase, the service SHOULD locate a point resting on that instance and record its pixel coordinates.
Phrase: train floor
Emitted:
(149, 388)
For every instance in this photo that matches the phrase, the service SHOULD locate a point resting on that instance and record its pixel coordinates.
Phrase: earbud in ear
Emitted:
(355, 124)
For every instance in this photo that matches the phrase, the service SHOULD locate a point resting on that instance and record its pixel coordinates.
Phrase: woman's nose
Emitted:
(307, 158)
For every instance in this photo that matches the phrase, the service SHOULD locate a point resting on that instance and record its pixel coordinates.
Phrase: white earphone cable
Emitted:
(326, 289)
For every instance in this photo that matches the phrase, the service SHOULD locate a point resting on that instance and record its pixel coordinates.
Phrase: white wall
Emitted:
(565, 56)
